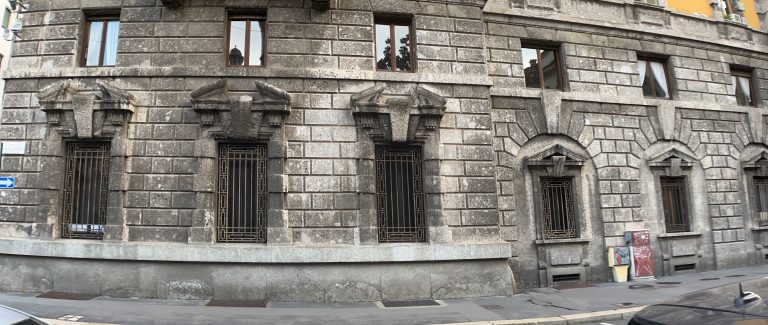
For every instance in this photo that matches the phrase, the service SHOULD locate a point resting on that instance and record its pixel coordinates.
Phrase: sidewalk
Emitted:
(576, 305)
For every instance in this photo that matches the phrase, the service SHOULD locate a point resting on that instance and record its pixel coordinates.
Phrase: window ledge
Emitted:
(760, 228)
(561, 241)
(255, 253)
(680, 234)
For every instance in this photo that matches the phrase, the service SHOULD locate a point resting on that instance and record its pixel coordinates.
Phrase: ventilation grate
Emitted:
(66, 295)
(566, 277)
(410, 303)
(237, 303)
(685, 267)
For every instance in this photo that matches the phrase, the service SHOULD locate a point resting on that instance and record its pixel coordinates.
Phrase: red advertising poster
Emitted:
(642, 259)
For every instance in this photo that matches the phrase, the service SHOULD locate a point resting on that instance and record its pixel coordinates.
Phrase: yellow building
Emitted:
(724, 9)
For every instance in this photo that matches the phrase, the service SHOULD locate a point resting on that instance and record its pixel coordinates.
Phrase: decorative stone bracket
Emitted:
(398, 119)
(674, 161)
(76, 112)
(758, 161)
(255, 116)
(556, 159)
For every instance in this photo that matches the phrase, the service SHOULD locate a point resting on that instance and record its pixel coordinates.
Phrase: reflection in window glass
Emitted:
(383, 61)
(531, 68)
(94, 44)
(246, 42)
(110, 47)
(541, 68)
(393, 47)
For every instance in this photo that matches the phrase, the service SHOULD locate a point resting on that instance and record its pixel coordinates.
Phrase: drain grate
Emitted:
(734, 275)
(66, 295)
(237, 303)
(492, 307)
(640, 286)
(709, 279)
(410, 303)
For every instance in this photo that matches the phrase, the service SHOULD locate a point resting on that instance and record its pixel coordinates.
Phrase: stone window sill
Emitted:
(561, 241)
(759, 229)
(680, 235)
(255, 253)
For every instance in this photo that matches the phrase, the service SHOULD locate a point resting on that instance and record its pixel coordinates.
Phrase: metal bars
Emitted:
(399, 194)
(241, 193)
(86, 181)
(673, 193)
(557, 210)
(761, 198)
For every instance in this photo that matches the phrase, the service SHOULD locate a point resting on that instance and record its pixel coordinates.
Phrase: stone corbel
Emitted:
(398, 118)
(73, 111)
(254, 116)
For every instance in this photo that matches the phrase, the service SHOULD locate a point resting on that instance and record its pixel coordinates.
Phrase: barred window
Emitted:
(241, 192)
(557, 207)
(673, 194)
(761, 198)
(399, 193)
(85, 190)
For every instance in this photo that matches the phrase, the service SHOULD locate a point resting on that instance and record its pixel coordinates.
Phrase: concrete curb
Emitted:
(598, 316)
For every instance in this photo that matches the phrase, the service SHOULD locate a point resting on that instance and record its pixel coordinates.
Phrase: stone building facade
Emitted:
(459, 165)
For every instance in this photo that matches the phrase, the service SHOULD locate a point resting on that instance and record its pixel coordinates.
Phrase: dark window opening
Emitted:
(673, 194)
(685, 267)
(566, 277)
(743, 86)
(86, 180)
(541, 67)
(101, 41)
(241, 193)
(391, 34)
(399, 194)
(761, 198)
(246, 41)
(655, 78)
(557, 208)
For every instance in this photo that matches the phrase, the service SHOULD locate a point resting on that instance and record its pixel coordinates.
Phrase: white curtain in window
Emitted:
(661, 78)
(641, 67)
(110, 47)
(746, 91)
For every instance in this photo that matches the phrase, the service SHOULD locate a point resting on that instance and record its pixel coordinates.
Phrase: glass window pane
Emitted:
(383, 49)
(6, 17)
(94, 43)
(549, 66)
(236, 42)
(531, 68)
(403, 37)
(110, 47)
(256, 52)
(743, 91)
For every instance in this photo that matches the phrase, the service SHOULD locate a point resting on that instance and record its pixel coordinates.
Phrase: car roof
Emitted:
(11, 316)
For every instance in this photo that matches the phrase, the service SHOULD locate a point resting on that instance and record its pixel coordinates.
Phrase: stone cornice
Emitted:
(239, 72)
(254, 253)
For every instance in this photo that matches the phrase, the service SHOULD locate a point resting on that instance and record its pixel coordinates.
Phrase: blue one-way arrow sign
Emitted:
(7, 182)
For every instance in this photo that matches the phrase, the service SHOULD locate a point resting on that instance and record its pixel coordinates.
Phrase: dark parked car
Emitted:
(737, 303)
(12, 316)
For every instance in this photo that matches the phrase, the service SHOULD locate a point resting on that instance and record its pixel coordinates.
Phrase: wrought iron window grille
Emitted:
(241, 193)
(399, 194)
(86, 180)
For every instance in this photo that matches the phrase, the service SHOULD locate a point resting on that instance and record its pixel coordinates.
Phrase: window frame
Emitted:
(539, 47)
(106, 18)
(248, 18)
(738, 72)
(226, 232)
(757, 182)
(393, 21)
(574, 222)
(664, 63)
(419, 233)
(72, 193)
(682, 183)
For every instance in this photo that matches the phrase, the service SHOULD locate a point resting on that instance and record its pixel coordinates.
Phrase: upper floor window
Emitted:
(6, 17)
(655, 77)
(101, 41)
(726, 6)
(673, 196)
(743, 87)
(246, 40)
(393, 44)
(541, 66)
